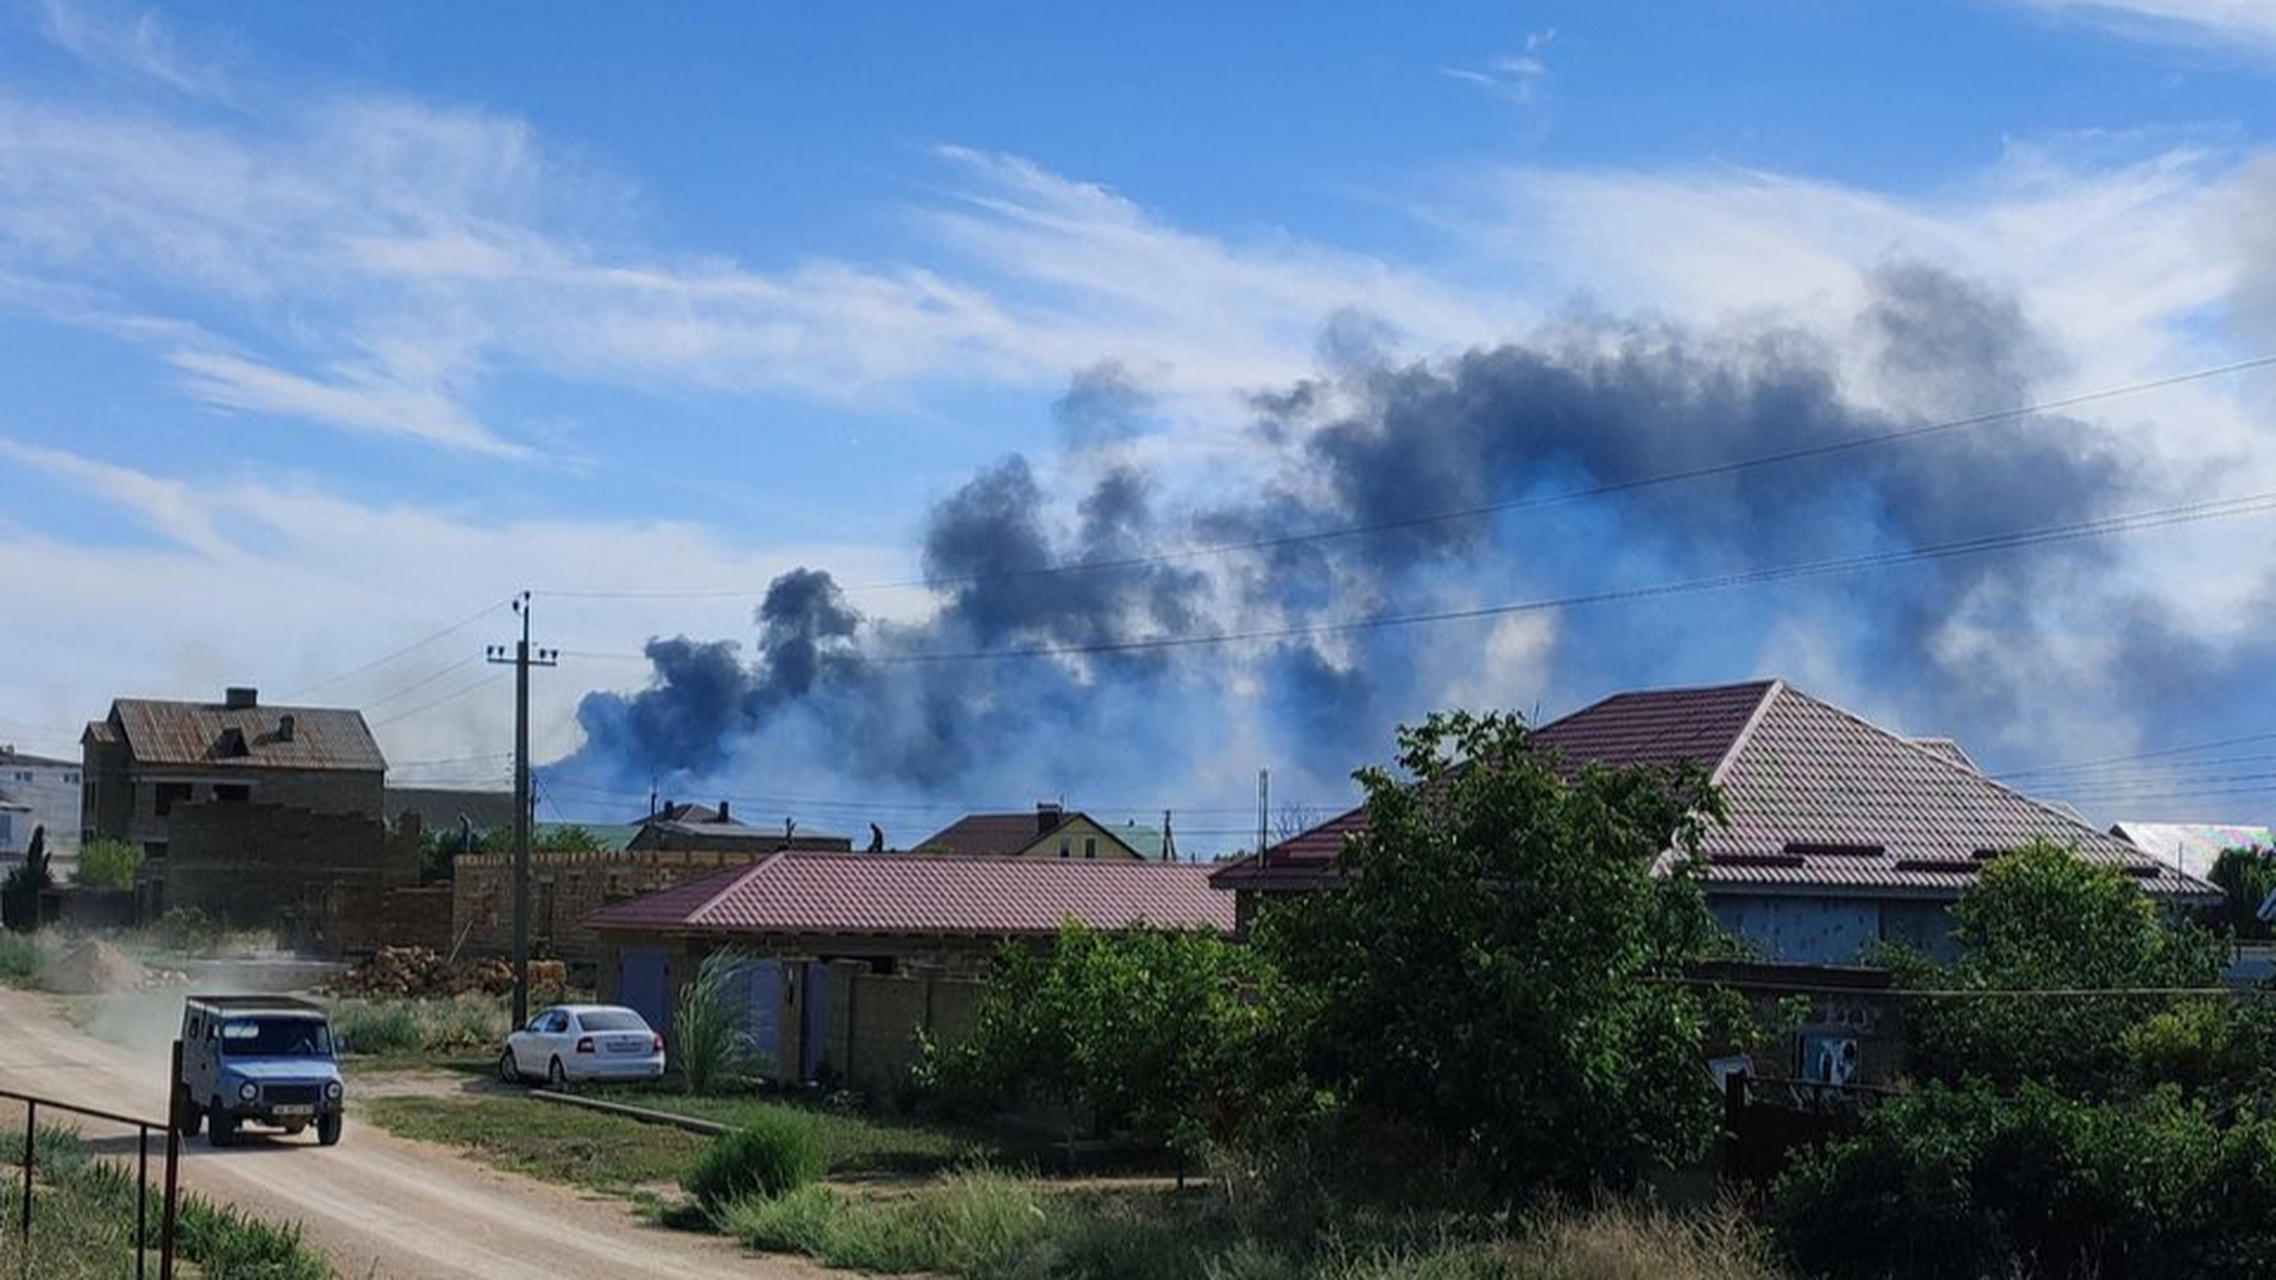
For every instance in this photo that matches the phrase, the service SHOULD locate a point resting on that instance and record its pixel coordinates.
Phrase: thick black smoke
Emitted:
(1021, 561)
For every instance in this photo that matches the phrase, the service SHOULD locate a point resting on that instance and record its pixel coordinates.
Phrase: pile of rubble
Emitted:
(91, 968)
(420, 973)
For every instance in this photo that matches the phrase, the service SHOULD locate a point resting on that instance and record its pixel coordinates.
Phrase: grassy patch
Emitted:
(546, 1140)
(856, 1141)
(461, 1027)
(83, 1214)
(987, 1226)
(20, 958)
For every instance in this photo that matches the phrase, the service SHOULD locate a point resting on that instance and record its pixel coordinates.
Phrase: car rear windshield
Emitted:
(276, 1038)
(611, 1020)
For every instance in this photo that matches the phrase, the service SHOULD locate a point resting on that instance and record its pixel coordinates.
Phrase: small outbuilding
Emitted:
(850, 956)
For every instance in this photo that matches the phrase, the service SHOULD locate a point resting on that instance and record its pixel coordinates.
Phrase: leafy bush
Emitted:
(2044, 919)
(770, 1155)
(2245, 876)
(1484, 974)
(1148, 1027)
(188, 930)
(107, 864)
(710, 1046)
(1961, 1183)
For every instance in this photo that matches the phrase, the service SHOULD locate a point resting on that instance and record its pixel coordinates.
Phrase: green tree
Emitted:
(2246, 877)
(1497, 969)
(570, 838)
(2043, 919)
(107, 864)
(20, 892)
(1141, 1027)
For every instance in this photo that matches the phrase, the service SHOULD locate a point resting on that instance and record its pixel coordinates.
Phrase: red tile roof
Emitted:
(1820, 800)
(826, 893)
(980, 835)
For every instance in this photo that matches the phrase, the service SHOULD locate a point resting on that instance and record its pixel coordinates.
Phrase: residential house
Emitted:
(1049, 832)
(1841, 834)
(264, 816)
(851, 956)
(36, 792)
(692, 826)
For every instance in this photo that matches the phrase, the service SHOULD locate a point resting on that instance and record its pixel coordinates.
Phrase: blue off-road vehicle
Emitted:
(265, 1059)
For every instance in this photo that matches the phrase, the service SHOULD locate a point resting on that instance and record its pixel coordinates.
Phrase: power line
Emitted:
(1605, 489)
(455, 694)
(2158, 753)
(2253, 504)
(393, 654)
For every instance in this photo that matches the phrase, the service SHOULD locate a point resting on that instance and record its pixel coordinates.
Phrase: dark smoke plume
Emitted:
(857, 706)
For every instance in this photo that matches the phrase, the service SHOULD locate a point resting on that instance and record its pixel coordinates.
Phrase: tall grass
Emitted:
(988, 1226)
(20, 959)
(83, 1212)
(710, 1046)
(770, 1155)
(458, 1024)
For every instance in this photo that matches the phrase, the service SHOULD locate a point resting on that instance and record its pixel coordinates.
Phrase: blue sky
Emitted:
(324, 327)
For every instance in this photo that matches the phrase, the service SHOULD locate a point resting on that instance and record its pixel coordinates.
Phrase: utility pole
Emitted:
(523, 658)
(1264, 808)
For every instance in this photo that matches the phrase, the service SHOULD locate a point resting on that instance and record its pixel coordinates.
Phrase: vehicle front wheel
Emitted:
(555, 1076)
(509, 1070)
(224, 1130)
(328, 1129)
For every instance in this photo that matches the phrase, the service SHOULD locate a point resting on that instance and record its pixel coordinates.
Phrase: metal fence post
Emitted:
(168, 1212)
(142, 1203)
(31, 1132)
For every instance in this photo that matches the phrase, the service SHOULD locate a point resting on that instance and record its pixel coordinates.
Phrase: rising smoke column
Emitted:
(1376, 440)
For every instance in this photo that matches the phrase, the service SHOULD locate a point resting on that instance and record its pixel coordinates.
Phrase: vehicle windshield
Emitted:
(276, 1038)
(611, 1020)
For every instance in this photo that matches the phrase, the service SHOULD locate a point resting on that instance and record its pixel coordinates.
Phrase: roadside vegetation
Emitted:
(83, 1220)
(458, 1031)
(1481, 1057)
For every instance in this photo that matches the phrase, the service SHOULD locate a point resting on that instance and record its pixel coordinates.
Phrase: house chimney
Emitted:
(285, 727)
(239, 697)
(1046, 817)
(723, 817)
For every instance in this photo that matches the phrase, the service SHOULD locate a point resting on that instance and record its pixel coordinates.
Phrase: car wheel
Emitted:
(555, 1076)
(509, 1070)
(224, 1130)
(328, 1129)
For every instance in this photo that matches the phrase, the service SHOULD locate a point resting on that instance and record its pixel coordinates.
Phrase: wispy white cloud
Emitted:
(2196, 21)
(141, 43)
(1513, 77)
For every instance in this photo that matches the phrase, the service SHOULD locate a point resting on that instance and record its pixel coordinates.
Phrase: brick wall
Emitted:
(329, 882)
(564, 889)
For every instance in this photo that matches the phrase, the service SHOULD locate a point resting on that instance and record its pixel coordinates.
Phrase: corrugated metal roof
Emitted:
(192, 733)
(826, 893)
(1796, 772)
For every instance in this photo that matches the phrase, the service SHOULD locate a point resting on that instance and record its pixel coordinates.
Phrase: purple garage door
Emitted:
(643, 987)
(762, 1006)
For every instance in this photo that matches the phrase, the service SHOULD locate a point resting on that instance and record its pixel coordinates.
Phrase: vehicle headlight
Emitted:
(248, 1091)
(332, 1089)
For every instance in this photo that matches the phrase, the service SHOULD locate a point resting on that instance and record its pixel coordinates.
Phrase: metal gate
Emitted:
(24, 1193)
(762, 1006)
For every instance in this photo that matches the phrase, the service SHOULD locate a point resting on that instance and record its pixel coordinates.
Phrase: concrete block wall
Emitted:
(875, 1021)
(322, 879)
(564, 889)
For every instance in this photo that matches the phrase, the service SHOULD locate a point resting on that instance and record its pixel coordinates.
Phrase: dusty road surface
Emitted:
(380, 1206)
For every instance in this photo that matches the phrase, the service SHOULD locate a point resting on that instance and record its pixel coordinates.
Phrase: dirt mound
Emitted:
(91, 968)
(420, 973)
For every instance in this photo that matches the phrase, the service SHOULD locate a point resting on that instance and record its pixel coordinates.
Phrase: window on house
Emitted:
(167, 794)
(233, 793)
(23, 775)
(1090, 846)
(71, 779)
(154, 851)
(1066, 846)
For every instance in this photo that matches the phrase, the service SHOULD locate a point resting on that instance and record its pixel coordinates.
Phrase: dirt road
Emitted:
(380, 1206)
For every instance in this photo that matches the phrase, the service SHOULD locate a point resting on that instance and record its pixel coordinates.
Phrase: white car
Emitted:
(582, 1042)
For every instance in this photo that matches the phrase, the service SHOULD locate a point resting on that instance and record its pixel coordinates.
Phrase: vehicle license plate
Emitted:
(627, 1046)
(295, 1111)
